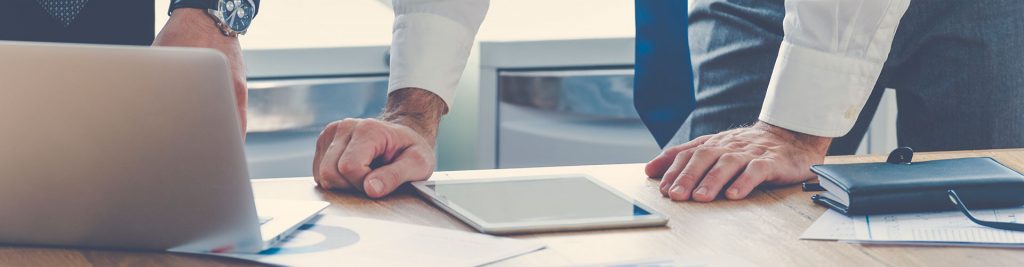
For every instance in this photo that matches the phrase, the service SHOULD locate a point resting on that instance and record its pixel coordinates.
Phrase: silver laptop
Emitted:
(128, 148)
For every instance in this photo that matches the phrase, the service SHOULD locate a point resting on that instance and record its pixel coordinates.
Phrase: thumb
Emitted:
(414, 164)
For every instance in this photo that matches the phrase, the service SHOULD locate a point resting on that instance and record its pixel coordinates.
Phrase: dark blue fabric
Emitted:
(122, 22)
(663, 82)
(127, 22)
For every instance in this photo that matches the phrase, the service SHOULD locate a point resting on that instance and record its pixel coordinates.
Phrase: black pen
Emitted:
(812, 187)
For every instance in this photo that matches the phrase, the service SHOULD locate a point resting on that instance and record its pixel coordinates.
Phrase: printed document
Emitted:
(950, 228)
(349, 241)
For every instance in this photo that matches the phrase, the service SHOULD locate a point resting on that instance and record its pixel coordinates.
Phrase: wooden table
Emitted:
(763, 229)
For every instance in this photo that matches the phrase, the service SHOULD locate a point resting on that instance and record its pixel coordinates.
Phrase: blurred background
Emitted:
(549, 83)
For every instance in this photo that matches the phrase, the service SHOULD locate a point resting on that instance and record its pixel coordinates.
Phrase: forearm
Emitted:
(416, 108)
(190, 27)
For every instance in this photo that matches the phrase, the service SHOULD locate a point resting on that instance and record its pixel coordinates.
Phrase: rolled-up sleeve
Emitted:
(829, 61)
(431, 43)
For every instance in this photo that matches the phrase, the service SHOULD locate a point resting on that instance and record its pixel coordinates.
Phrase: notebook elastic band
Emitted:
(998, 225)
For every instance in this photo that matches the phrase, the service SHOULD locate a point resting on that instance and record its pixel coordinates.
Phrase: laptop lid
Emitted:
(121, 147)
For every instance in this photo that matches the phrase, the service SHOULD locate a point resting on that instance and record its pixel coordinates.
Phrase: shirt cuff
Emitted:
(429, 52)
(817, 93)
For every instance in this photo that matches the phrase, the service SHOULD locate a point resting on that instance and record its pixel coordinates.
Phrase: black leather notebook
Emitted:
(877, 188)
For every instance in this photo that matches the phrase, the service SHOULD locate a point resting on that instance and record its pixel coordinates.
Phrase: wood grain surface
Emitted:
(762, 229)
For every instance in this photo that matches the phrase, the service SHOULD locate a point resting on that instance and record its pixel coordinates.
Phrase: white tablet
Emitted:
(538, 204)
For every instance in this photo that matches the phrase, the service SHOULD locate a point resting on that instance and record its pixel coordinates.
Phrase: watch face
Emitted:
(237, 14)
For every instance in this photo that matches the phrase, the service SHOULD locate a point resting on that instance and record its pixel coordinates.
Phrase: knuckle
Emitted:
(371, 126)
(756, 149)
(704, 151)
(360, 124)
(323, 137)
(421, 158)
(331, 128)
(759, 164)
(417, 159)
(348, 122)
(743, 180)
(673, 149)
(730, 158)
(348, 169)
(686, 177)
(683, 155)
(712, 175)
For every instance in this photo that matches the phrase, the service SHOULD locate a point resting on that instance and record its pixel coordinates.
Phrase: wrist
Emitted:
(416, 108)
(817, 143)
(197, 20)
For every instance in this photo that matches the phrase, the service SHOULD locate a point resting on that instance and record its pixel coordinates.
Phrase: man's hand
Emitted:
(741, 159)
(378, 155)
(190, 27)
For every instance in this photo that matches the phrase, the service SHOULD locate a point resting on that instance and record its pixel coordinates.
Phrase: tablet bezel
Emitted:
(653, 218)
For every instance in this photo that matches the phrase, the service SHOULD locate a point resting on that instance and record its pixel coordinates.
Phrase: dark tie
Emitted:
(663, 81)
(64, 11)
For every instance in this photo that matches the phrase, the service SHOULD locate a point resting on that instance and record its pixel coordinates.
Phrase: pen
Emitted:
(812, 187)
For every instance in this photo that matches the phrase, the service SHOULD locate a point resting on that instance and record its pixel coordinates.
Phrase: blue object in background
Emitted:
(663, 82)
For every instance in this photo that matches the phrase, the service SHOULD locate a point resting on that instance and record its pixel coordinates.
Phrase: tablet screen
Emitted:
(516, 201)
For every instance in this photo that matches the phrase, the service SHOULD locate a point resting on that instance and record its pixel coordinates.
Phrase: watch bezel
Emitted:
(221, 22)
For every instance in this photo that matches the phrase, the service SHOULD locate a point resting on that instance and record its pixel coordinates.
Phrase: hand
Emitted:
(376, 156)
(190, 27)
(746, 157)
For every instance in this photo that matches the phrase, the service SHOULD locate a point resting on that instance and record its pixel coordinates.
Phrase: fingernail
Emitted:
(734, 192)
(702, 190)
(376, 185)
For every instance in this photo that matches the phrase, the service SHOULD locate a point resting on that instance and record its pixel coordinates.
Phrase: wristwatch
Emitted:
(233, 17)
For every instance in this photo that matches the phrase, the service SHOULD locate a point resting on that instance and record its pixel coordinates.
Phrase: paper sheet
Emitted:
(942, 227)
(932, 229)
(831, 226)
(349, 241)
(678, 261)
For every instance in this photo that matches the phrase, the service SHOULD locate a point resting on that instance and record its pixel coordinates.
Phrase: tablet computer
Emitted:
(538, 204)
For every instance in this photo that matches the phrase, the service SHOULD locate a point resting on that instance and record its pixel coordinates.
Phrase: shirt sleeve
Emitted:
(829, 61)
(431, 43)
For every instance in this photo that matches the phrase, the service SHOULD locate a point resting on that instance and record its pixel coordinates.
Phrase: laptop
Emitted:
(122, 147)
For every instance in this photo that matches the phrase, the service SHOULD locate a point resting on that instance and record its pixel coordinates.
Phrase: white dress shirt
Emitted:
(830, 59)
(431, 43)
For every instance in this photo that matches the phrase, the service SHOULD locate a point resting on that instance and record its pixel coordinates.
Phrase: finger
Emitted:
(368, 142)
(682, 158)
(725, 169)
(702, 160)
(658, 166)
(757, 172)
(413, 164)
(325, 138)
(329, 163)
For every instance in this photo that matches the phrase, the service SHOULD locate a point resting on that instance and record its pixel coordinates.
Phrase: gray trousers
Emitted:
(957, 67)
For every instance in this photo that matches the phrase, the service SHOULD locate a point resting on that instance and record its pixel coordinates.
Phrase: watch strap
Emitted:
(204, 4)
(200, 4)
